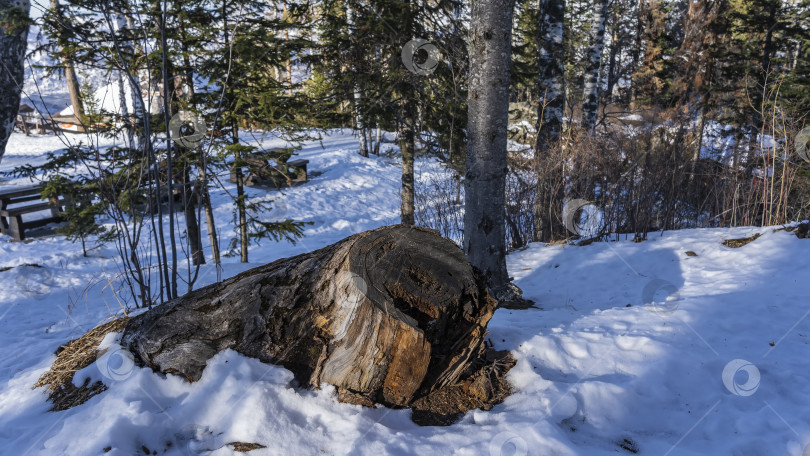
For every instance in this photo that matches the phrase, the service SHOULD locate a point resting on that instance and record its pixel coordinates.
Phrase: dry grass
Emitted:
(737, 243)
(242, 447)
(70, 358)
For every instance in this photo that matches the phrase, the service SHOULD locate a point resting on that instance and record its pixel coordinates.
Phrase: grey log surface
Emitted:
(390, 315)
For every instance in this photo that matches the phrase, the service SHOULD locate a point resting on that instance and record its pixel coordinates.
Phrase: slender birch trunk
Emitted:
(590, 95)
(407, 146)
(378, 140)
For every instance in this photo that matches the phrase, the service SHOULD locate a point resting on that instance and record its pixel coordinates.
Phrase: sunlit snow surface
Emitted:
(629, 341)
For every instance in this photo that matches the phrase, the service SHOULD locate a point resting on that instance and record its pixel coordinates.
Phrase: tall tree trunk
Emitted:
(74, 91)
(123, 89)
(125, 47)
(193, 227)
(241, 203)
(378, 140)
(168, 89)
(408, 121)
(13, 44)
(205, 200)
(241, 198)
(551, 92)
(288, 63)
(358, 117)
(358, 92)
(699, 39)
(590, 95)
(761, 91)
(488, 109)
(369, 138)
(551, 80)
(635, 52)
(614, 52)
(123, 110)
(407, 146)
(690, 187)
(190, 204)
(191, 195)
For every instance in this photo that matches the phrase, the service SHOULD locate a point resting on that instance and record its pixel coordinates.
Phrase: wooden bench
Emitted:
(284, 174)
(11, 218)
(299, 169)
(178, 188)
(149, 196)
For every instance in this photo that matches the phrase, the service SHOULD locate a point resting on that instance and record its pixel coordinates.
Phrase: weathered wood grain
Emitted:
(387, 315)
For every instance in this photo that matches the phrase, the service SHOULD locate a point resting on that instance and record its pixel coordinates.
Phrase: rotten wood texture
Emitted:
(387, 316)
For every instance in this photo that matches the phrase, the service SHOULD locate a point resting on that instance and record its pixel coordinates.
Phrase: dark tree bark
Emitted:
(761, 89)
(590, 96)
(635, 53)
(241, 198)
(190, 204)
(488, 107)
(551, 80)
(551, 90)
(388, 316)
(166, 69)
(13, 43)
(360, 125)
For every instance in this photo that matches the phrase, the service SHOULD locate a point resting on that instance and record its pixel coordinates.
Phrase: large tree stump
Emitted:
(387, 316)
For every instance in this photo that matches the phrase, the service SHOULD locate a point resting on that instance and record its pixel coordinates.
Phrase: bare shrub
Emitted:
(439, 202)
(666, 172)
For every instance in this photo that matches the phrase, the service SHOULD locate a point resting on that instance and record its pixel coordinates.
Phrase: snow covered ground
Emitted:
(600, 370)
